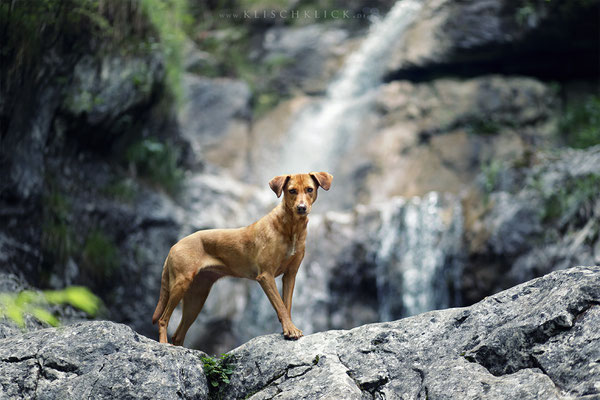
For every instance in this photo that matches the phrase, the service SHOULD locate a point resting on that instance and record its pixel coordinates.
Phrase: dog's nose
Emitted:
(301, 208)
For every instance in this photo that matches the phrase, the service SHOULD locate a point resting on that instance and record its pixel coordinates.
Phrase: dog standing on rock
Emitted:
(271, 246)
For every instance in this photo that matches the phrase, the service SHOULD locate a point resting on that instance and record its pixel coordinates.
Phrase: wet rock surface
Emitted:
(536, 341)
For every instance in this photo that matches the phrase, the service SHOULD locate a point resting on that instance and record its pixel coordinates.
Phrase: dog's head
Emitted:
(300, 190)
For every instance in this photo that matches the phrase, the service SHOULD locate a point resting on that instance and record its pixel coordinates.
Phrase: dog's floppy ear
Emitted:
(323, 179)
(276, 184)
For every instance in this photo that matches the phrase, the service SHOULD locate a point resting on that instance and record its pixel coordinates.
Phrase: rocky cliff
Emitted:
(538, 340)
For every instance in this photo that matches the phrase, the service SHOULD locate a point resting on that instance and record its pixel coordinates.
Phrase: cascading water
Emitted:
(322, 133)
(419, 255)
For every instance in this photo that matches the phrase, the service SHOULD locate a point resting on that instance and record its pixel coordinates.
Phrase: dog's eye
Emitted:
(293, 191)
(309, 190)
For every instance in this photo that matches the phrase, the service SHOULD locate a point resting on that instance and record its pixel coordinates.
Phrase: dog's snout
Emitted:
(301, 208)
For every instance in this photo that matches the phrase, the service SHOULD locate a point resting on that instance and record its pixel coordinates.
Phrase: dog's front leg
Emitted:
(267, 282)
(289, 280)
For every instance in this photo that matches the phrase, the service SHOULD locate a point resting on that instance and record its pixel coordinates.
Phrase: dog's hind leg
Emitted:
(164, 293)
(193, 301)
(176, 293)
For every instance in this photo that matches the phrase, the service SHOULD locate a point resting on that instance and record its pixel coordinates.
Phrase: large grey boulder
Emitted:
(97, 360)
(538, 340)
(535, 341)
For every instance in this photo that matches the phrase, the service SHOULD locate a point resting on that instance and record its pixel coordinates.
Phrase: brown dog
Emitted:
(272, 246)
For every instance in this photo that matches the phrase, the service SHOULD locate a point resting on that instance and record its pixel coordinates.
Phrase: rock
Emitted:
(437, 135)
(104, 89)
(306, 57)
(534, 341)
(214, 120)
(100, 360)
(503, 36)
(538, 340)
(539, 220)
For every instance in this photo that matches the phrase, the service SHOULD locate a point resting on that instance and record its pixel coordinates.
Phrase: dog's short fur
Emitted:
(272, 246)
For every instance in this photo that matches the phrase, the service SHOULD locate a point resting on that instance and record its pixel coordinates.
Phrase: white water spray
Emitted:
(323, 132)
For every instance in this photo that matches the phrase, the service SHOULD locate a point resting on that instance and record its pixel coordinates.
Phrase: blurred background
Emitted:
(464, 138)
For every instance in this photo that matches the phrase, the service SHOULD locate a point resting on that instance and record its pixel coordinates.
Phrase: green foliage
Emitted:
(227, 41)
(58, 238)
(217, 371)
(100, 255)
(574, 198)
(122, 25)
(15, 306)
(157, 162)
(580, 124)
(169, 18)
(491, 173)
(122, 189)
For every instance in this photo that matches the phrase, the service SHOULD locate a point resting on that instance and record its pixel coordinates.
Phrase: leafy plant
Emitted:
(217, 371)
(15, 306)
(100, 254)
(156, 161)
(580, 124)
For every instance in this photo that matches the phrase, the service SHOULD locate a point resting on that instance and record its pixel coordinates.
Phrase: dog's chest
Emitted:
(292, 247)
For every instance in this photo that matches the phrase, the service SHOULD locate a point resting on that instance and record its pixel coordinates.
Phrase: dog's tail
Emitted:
(164, 293)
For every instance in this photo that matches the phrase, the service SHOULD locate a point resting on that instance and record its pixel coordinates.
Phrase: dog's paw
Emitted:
(292, 333)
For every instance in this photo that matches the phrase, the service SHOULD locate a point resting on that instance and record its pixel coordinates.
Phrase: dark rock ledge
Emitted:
(538, 340)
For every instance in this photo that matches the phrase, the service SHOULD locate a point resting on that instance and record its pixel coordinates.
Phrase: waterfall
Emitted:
(324, 131)
(418, 259)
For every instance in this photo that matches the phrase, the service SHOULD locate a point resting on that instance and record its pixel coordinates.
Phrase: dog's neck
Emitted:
(288, 223)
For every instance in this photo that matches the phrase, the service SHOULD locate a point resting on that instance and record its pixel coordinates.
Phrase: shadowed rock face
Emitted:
(538, 340)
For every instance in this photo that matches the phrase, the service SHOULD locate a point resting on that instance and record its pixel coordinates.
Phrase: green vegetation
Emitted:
(116, 25)
(157, 162)
(58, 238)
(15, 306)
(574, 199)
(491, 173)
(580, 125)
(217, 371)
(169, 18)
(100, 255)
(124, 190)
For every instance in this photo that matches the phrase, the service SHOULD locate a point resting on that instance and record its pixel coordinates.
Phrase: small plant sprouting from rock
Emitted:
(217, 371)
